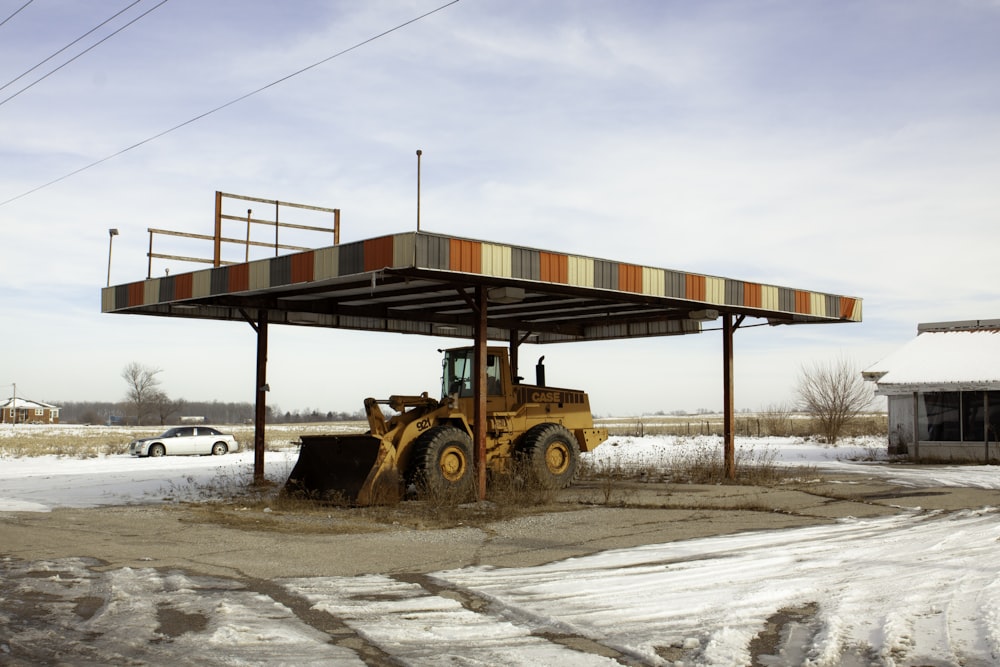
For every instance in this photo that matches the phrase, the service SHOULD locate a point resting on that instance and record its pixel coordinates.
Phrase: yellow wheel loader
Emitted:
(427, 444)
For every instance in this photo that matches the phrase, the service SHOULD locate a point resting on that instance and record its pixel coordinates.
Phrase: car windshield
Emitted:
(171, 433)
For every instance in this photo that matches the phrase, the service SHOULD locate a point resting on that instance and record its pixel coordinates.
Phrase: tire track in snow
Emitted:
(418, 627)
(480, 605)
(875, 581)
(340, 632)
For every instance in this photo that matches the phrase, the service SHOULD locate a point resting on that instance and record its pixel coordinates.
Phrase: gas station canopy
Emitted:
(437, 285)
(424, 283)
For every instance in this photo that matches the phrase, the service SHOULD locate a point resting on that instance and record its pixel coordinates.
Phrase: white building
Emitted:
(944, 386)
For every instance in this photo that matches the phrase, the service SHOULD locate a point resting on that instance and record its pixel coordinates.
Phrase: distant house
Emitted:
(943, 390)
(23, 411)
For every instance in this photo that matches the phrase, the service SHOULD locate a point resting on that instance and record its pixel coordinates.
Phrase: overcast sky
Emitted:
(847, 147)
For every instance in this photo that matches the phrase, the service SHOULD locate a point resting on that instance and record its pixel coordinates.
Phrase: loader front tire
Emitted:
(551, 455)
(443, 463)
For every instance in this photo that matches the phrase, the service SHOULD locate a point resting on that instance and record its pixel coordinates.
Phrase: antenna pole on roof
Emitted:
(419, 153)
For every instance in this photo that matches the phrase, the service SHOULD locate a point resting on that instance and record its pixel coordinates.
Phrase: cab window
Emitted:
(457, 377)
(494, 385)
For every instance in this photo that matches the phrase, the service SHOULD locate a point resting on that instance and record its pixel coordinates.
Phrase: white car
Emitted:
(185, 440)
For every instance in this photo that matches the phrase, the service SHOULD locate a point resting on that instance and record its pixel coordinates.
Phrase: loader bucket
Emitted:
(354, 469)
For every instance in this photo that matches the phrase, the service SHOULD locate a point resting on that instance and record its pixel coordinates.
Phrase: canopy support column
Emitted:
(514, 345)
(479, 391)
(986, 427)
(728, 412)
(261, 398)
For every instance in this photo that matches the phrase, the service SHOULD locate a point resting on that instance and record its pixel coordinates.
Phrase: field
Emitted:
(83, 441)
(80, 441)
(777, 423)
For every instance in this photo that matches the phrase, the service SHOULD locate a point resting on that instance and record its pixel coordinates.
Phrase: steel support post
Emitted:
(729, 413)
(479, 379)
(261, 398)
(514, 345)
(986, 427)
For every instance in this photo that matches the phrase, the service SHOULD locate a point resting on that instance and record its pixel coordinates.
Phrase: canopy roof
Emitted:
(950, 356)
(423, 283)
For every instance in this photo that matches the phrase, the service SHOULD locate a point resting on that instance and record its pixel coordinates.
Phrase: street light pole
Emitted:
(112, 233)
(419, 153)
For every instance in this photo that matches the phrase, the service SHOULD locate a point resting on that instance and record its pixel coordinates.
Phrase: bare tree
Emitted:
(833, 393)
(777, 419)
(164, 407)
(143, 388)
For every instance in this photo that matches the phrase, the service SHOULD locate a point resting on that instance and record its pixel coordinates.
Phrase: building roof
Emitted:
(951, 356)
(25, 404)
(423, 283)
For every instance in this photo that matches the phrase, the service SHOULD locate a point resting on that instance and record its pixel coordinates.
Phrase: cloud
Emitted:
(846, 147)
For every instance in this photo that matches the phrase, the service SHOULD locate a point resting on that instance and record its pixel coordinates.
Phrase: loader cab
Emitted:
(457, 376)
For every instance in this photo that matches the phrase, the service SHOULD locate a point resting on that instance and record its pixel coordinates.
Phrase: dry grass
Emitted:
(91, 441)
(755, 465)
(23, 442)
(507, 496)
(230, 500)
(774, 421)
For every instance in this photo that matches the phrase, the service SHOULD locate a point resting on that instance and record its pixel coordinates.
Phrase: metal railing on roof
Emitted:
(218, 239)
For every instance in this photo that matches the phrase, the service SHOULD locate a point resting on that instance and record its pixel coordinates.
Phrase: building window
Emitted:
(980, 415)
(940, 416)
(39, 412)
(960, 416)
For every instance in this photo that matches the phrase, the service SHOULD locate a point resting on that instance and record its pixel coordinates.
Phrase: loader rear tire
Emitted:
(443, 463)
(551, 455)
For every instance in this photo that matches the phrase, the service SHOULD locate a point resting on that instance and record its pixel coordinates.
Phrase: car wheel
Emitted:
(157, 450)
(219, 448)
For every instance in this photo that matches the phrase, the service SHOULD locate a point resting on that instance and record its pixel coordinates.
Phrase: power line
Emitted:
(100, 25)
(227, 104)
(16, 12)
(86, 50)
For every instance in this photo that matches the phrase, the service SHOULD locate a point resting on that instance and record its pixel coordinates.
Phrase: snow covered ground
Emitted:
(916, 588)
